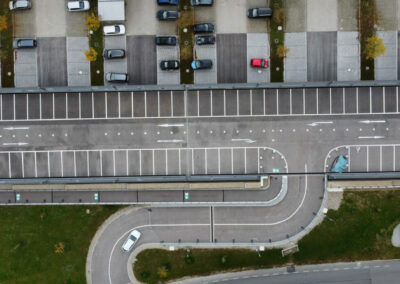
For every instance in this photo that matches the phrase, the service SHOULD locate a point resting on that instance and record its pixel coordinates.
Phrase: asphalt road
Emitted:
(386, 271)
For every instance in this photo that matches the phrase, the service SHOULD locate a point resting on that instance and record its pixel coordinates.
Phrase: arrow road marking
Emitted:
(170, 141)
(16, 128)
(372, 121)
(246, 140)
(171, 125)
(371, 137)
(320, 122)
(15, 144)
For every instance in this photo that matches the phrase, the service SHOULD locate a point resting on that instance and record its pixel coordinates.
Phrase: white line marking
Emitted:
(232, 159)
(317, 98)
(66, 105)
(9, 164)
(367, 158)
(15, 144)
(166, 161)
(251, 101)
(370, 100)
(344, 101)
(48, 163)
(40, 106)
(245, 140)
(170, 141)
(17, 128)
(179, 164)
(74, 163)
(264, 102)
(357, 100)
(132, 104)
(372, 121)
(79, 106)
(22, 164)
(106, 104)
(87, 162)
(224, 103)
(158, 103)
(198, 103)
(127, 162)
(140, 162)
(394, 158)
(54, 108)
(192, 162)
(1, 108)
(245, 160)
(101, 163)
(92, 105)
(277, 102)
(316, 123)
(304, 101)
(290, 101)
(205, 161)
(61, 163)
(172, 104)
(371, 137)
(380, 157)
(237, 102)
(384, 100)
(258, 160)
(171, 125)
(211, 102)
(330, 100)
(27, 107)
(397, 99)
(113, 153)
(119, 105)
(35, 159)
(219, 161)
(14, 106)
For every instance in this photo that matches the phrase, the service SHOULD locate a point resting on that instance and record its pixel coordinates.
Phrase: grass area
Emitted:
(28, 235)
(96, 41)
(277, 38)
(7, 52)
(367, 20)
(360, 230)
(186, 41)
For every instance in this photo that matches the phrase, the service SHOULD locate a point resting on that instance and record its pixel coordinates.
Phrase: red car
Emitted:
(259, 62)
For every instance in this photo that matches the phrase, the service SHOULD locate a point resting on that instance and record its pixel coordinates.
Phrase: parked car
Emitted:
(205, 39)
(24, 43)
(201, 2)
(202, 64)
(167, 2)
(77, 6)
(169, 65)
(20, 5)
(259, 13)
(166, 40)
(203, 28)
(131, 240)
(113, 53)
(114, 30)
(340, 164)
(164, 15)
(259, 63)
(114, 77)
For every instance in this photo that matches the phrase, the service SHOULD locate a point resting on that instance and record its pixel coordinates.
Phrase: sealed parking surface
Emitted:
(142, 60)
(232, 58)
(52, 61)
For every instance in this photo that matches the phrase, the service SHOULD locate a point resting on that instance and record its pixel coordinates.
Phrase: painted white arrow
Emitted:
(320, 122)
(372, 121)
(170, 141)
(171, 125)
(16, 128)
(246, 140)
(15, 144)
(371, 137)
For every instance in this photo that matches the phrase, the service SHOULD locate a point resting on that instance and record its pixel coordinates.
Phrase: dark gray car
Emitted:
(113, 77)
(113, 53)
(169, 65)
(201, 2)
(203, 28)
(24, 43)
(164, 15)
(166, 40)
(259, 13)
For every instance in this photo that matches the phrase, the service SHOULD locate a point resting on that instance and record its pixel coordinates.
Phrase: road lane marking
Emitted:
(158, 104)
(74, 163)
(316, 123)
(380, 157)
(66, 106)
(179, 162)
(304, 101)
(330, 100)
(245, 160)
(251, 101)
(198, 103)
(245, 140)
(15, 144)
(192, 162)
(27, 107)
(277, 101)
(40, 105)
(1, 107)
(132, 105)
(9, 165)
(113, 153)
(317, 98)
(211, 103)
(35, 159)
(264, 106)
(101, 163)
(357, 100)
(367, 158)
(16, 128)
(343, 101)
(127, 162)
(371, 137)
(22, 165)
(372, 121)
(119, 104)
(14, 114)
(384, 99)
(166, 162)
(237, 102)
(92, 105)
(87, 163)
(170, 141)
(48, 164)
(106, 104)
(397, 99)
(172, 104)
(140, 162)
(394, 158)
(54, 108)
(370, 100)
(224, 103)
(290, 101)
(205, 161)
(219, 161)
(171, 125)
(232, 159)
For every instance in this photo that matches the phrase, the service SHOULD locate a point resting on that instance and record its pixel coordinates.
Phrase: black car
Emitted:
(24, 43)
(169, 65)
(259, 13)
(201, 2)
(205, 39)
(113, 53)
(164, 15)
(202, 64)
(203, 28)
(166, 40)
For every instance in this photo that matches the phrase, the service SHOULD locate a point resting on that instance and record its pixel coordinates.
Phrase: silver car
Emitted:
(114, 77)
(20, 5)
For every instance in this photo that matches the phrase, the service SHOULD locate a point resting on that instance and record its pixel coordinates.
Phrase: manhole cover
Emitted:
(96, 44)
(9, 73)
(277, 69)
(185, 30)
(366, 67)
(98, 71)
(187, 70)
(276, 40)
(186, 42)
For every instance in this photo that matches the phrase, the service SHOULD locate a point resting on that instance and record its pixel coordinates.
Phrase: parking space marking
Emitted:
(14, 105)
(158, 101)
(145, 104)
(105, 103)
(172, 104)
(40, 105)
(27, 107)
(317, 97)
(9, 165)
(23, 165)
(237, 102)
(344, 101)
(66, 105)
(54, 111)
(370, 100)
(357, 100)
(92, 105)
(277, 101)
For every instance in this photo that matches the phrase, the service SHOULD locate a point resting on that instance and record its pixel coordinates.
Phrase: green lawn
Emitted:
(28, 235)
(7, 52)
(368, 17)
(360, 230)
(96, 41)
(277, 38)
(186, 41)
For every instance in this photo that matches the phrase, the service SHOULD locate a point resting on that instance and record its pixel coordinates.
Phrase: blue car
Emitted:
(167, 2)
(340, 164)
(202, 64)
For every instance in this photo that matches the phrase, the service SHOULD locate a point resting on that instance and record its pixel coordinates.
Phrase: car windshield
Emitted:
(133, 238)
(165, 14)
(81, 5)
(254, 13)
(117, 29)
(198, 64)
(262, 62)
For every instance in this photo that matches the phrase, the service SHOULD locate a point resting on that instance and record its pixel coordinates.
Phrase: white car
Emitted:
(20, 5)
(131, 240)
(77, 6)
(114, 30)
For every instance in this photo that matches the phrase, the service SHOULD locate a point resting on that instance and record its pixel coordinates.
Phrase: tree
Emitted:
(93, 22)
(59, 248)
(162, 271)
(282, 51)
(3, 23)
(374, 47)
(91, 54)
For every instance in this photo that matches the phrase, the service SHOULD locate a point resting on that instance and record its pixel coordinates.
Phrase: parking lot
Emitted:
(367, 158)
(141, 162)
(202, 103)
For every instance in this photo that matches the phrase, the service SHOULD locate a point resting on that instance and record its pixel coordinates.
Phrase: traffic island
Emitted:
(96, 46)
(367, 17)
(186, 40)
(6, 49)
(277, 40)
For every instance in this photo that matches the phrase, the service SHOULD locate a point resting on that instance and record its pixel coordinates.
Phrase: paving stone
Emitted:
(295, 68)
(348, 53)
(78, 67)
(257, 47)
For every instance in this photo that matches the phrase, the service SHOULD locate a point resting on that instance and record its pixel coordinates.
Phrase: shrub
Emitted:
(374, 47)
(59, 247)
(93, 22)
(282, 51)
(3, 23)
(224, 258)
(162, 271)
(91, 54)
